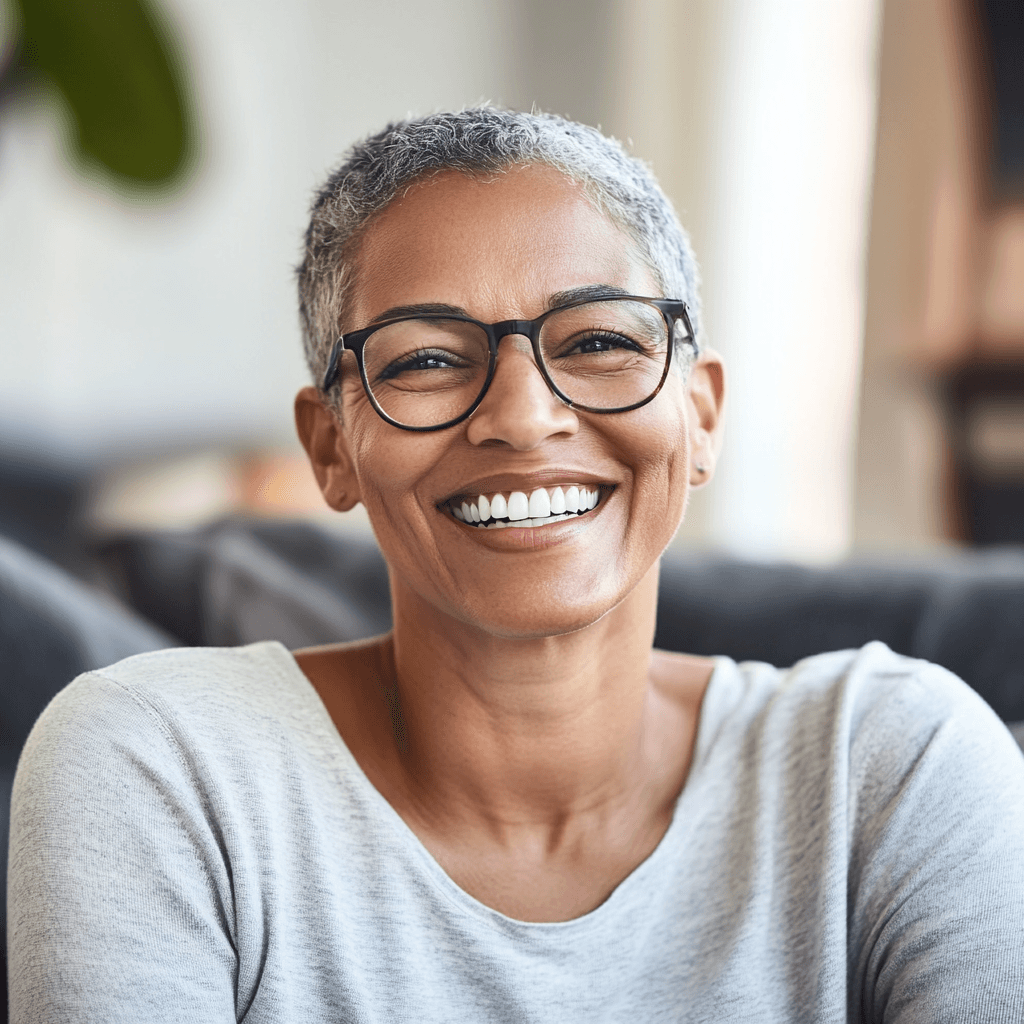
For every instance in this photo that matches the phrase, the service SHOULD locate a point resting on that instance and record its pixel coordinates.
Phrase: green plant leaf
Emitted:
(113, 63)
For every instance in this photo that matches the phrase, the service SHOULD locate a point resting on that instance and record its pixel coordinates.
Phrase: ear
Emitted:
(323, 437)
(707, 405)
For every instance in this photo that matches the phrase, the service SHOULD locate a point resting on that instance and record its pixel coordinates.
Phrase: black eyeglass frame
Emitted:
(670, 309)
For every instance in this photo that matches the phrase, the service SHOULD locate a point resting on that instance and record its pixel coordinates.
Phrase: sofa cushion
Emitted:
(965, 612)
(302, 584)
(239, 581)
(52, 628)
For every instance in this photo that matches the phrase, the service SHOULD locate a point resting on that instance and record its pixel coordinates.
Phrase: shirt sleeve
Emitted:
(937, 862)
(119, 892)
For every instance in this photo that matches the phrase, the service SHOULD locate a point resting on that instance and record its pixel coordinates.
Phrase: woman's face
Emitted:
(501, 249)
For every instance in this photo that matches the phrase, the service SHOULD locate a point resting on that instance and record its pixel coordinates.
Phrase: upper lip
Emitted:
(526, 482)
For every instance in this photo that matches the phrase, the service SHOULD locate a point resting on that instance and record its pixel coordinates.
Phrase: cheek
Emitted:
(390, 465)
(661, 434)
(369, 441)
(659, 442)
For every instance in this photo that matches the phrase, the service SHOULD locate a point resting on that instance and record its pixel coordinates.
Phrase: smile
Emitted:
(540, 508)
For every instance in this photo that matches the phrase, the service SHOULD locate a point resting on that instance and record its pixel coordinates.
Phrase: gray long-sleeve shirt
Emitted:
(192, 841)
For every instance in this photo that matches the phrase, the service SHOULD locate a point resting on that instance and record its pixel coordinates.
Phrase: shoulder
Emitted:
(854, 687)
(869, 713)
(882, 701)
(185, 670)
(216, 705)
(176, 680)
(914, 748)
(888, 793)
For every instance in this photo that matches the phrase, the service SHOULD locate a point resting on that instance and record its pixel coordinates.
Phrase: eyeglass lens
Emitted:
(605, 355)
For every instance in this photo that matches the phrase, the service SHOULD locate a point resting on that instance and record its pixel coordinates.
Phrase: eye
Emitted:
(601, 341)
(424, 359)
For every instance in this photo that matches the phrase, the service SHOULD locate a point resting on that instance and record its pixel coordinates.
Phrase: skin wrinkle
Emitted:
(543, 746)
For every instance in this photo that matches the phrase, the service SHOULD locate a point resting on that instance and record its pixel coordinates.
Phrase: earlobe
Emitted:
(702, 463)
(707, 404)
(326, 446)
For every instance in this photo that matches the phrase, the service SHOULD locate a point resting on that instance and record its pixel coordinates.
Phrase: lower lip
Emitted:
(515, 535)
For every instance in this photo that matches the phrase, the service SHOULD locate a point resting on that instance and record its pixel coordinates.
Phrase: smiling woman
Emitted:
(511, 808)
(527, 244)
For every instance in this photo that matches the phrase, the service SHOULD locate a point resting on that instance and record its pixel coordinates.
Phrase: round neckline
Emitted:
(465, 902)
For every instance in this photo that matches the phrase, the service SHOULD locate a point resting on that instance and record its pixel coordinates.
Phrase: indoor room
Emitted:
(850, 175)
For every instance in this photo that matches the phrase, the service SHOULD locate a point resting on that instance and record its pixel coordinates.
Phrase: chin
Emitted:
(533, 619)
(538, 630)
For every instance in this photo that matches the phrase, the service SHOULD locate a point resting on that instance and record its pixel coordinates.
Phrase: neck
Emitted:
(523, 731)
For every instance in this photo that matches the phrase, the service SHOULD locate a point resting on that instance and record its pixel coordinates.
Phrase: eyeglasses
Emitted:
(431, 371)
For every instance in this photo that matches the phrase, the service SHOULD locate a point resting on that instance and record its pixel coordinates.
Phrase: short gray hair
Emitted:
(475, 141)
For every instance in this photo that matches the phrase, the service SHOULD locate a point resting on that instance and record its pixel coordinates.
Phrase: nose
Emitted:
(519, 407)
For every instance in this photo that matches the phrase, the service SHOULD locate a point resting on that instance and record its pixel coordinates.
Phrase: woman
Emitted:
(511, 808)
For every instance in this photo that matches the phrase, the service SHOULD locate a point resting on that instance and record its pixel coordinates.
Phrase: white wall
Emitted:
(785, 268)
(126, 327)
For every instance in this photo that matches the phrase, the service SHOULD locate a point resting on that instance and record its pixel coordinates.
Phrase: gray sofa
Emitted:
(242, 581)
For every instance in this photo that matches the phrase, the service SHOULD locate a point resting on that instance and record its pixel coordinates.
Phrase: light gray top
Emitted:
(192, 841)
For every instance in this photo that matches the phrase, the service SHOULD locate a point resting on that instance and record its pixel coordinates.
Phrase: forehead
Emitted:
(498, 247)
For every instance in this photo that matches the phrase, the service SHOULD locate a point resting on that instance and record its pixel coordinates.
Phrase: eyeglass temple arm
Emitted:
(333, 367)
(685, 317)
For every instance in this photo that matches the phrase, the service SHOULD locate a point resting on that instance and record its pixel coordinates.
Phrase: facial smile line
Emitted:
(540, 508)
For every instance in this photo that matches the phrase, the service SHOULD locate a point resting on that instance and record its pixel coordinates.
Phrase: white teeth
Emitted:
(546, 521)
(518, 506)
(538, 509)
(540, 504)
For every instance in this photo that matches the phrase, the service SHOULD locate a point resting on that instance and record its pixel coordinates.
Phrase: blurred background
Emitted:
(852, 175)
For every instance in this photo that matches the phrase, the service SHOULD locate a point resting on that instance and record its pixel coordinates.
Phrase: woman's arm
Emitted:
(119, 892)
(937, 867)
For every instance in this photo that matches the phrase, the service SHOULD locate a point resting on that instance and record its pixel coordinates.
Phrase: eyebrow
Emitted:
(419, 309)
(564, 298)
(585, 293)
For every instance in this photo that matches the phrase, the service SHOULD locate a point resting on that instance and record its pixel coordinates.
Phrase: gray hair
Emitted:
(480, 140)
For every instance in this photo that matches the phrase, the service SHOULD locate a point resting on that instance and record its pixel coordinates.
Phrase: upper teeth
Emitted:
(540, 507)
